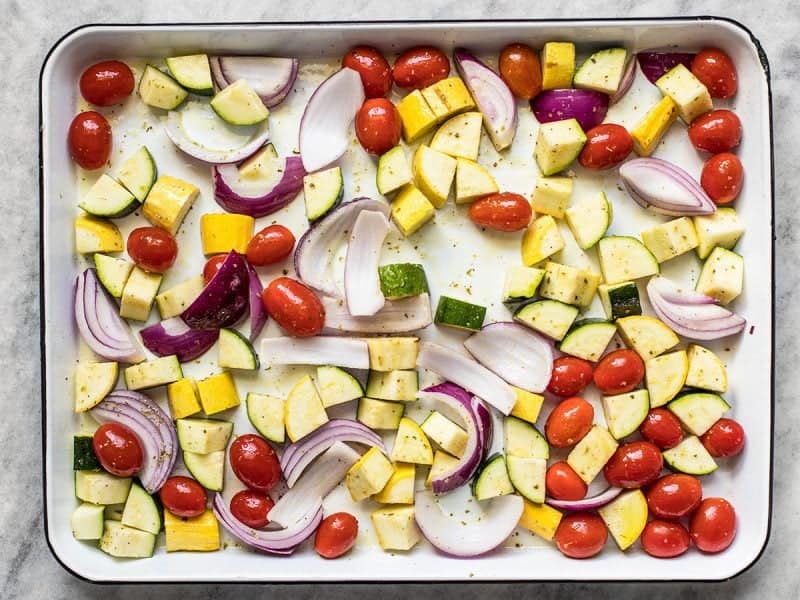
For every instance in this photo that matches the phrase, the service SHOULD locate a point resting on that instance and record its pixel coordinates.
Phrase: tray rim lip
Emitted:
(762, 57)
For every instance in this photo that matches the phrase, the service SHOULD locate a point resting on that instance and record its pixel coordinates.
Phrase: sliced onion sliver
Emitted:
(454, 537)
(184, 141)
(225, 298)
(301, 453)
(467, 373)
(258, 316)
(216, 73)
(664, 188)
(484, 423)
(592, 503)
(317, 350)
(270, 77)
(396, 316)
(628, 75)
(317, 248)
(516, 353)
(317, 482)
(257, 200)
(362, 286)
(282, 541)
(174, 336)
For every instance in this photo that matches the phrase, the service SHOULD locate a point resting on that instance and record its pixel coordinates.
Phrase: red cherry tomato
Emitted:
(295, 307)
(336, 535)
(569, 422)
(420, 67)
(570, 375)
(634, 465)
(581, 535)
(716, 71)
(713, 525)
(618, 372)
(183, 496)
(521, 70)
(255, 463)
(152, 248)
(270, 245)
(118, 449)
(716, 131)
(665, 539)
(662, 428)
(252, 508)
(606, 146)
(212, 266)
(563, 483)
(724, 438)
(722, 177)
(504, 212)
(376, 75)
(89, 140)
(107, 83)
(674, 496)
(378, 126)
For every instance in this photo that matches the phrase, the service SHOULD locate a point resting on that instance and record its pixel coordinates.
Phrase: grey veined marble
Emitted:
(29, 28)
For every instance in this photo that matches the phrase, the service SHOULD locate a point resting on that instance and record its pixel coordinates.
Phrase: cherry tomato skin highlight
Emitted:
(606, 146)
(634, 465)
(724, 438)
(716, 71)
(662, 428)
(521, 70)
(107, 83)
(713, 525)
(563, 483)
(252, 508)
(619, 372)
(89, 140)
(665, 539)
(570, 375)
(569, 422)
(270, 245)
(722, 177)
(378, 126)
(212, 266)
(294, 306)
(183, 496)
(255, 463)
(674, 496)
(336, 535)
(581, 535)
(118, 449)
(420, 67)
(503, 212)
(716, 131)
(152, 248)
(376, 75)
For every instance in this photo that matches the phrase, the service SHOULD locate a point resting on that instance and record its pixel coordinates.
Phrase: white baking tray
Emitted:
(459, 261)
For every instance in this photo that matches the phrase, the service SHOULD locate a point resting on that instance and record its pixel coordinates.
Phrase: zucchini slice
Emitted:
(193, 72)
(521, 283)
(113, 273)
(87, 522)
(160, 90)
(99, 487)
(393, 353)
(698, 411)
(238, 104)
(337, 386)
(588, 338)
(550, 317)
(492, 479)
(690, 457)
(400, 386)
(527, 475)
(236, 351)
(108, 198)
(620, 300)
(625, 412)
(266, 415)
(459, 314)
(208, 469)
(138, 173)
(523, 439)
(152, 373)
(602, 71)
(706, 370)
(402, 280)
(126, 542)
(623, 258)
(380, 414)
(393, 171)
(322, 191)
(589, 220)
(141, 511)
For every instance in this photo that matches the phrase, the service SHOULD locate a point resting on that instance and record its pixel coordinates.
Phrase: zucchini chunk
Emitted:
(337, 386)
(380, 414)
(393, 353)
(108, 198)
(623, 258)
(138, 173)
(141, 511)
(690, 457)
(113, 273)
(83, 456)
(620, 299)
(588, 338)
(550, 317)
(411, 445)
(152, 373)
(558, 145)
(722, 276)
(625, 517)
(649, 337)
(459, 314)
(521, 438)
(236, 351)
(492, 479)
(527, 475)
(126, 542)
(393, 171)
(203, 436)
(99, 487)
(208, 469)
(266, 416)
(706, 370)
(521, 283)
(589, 220)
(551, 196)
(193, 72)
(322, 191)
(541, 240)
(402, 280)
(625, 412)
(304, 410)
(93, 382)
(393, 385)
(238, 104)
(592, 453)
(602, 71)
(159, 90)
(698, 411)
(87, 521)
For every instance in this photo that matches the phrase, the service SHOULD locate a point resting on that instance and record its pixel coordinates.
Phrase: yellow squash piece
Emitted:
(304, 411)
(411, 445)
(96, 235)
(648, 336)
(670, 239)
(528, 405)
(666, 376)
(223, 232)
(558, 65)
(400, 487)
(168, 202)
(442, 462)
(411, 210)
(541, 240)
(183, 398)
(569, 285)
(473, 181)
(541, 519)
(217, 393)
(448, 97)
(93, 381)
(691, 97)
(706, 370)
(649, 131)
(395, 527)
(459, 136)
(447, 435)
(591, 454)
(392, 353)
(195, 534)
(551, 196)
(625, 517)
(368, 475)
(434, 173)
(416, 116)
(138, 294)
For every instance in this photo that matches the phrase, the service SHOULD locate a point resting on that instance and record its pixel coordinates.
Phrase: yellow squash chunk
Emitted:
(723, 228)
(691, 97)
(448, 97)
(558, 65)
(93, 381)
(304, 410)
(217, 393)
(649, 131)
(395, 527)
(666, 375)
(138, 294)
(368, 475)
(528, 405)
(541, 519)
(473, 181)
(625, 517)
(448, 436)
(411, 445)
(195, 534)
(442, 462)
(393, 353)
(400, 487)
(541, 240)
(460, 136)
(223, 232)
(551, 196)
(411, 210)
(96, 235)
(591, 454)
(648, 336)
(569, 284)
(168, 202)
(183, 398)
(416, 116)
(670, 239)
(706, 370)
(434, 173)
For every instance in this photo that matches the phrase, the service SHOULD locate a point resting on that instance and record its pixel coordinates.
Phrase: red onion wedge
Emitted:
(362, 287)
(491, 94)
(467, 373)
(628, 75)
(224, 300)
(211, 140)
(318, 350)
(485, 425)
(665, 188)
(452, 536)
(656, 64)
(460, 402)
(316, 249)
(589, 107)
(691, 314)
(174, 336)
(325, 126)
(270, 77)
(300, 454)
(318, 481)
(258, 316)
(151, 425)
(282, 541)
(260, 198)
(396, 316)
(99, 323)
(592, 503)
(519, 355)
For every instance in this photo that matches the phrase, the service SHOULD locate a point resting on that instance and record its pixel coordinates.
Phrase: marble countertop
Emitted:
(28, 570)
